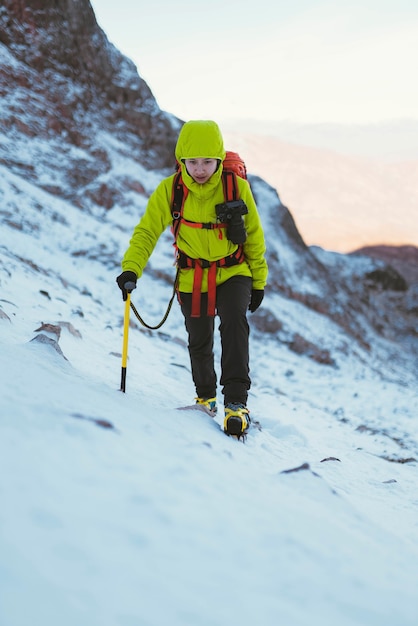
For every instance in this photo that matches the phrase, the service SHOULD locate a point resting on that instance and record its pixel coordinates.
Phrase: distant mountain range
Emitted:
(339, 202)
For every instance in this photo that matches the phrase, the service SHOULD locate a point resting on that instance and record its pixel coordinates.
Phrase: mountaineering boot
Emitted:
(237, 420)
(208, 403)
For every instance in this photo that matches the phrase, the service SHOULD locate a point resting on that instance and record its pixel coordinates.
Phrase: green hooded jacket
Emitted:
(199, 139)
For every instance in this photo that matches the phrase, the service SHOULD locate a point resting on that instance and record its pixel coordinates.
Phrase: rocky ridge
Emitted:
(82, 126)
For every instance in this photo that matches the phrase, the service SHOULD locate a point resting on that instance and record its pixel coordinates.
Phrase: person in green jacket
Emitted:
(223, 270)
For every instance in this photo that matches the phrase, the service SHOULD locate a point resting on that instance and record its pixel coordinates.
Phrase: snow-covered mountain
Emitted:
(118, 509)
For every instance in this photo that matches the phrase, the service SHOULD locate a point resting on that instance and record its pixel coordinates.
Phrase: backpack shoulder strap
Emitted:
(178, 197)
(230, 185)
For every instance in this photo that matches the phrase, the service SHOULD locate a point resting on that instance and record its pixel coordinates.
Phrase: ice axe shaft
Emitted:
(129, 287)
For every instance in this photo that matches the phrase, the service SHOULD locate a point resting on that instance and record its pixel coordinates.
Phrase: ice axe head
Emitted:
(130, 286)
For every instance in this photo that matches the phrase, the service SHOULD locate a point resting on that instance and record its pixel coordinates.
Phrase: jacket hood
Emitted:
(200, 139)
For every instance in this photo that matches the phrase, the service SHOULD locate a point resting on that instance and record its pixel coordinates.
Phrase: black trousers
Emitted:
(232, 300)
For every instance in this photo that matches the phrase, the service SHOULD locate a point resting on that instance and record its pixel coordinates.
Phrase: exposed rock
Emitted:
(50, 329)
(300, 345)
(99, 421)
(404, 259)
(4, 316)
(63, 80)
(300, 468)
(387, 279)
(73, 331)
(44, 339)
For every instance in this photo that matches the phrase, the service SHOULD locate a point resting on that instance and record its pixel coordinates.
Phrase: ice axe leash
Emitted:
(166, 314)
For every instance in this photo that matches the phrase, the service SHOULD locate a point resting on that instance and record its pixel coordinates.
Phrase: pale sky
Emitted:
(304, 61)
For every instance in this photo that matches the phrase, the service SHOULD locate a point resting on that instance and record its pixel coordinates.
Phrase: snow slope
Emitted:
(120, 510)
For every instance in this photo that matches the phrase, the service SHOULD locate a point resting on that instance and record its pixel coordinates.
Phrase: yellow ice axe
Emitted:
(129, 286)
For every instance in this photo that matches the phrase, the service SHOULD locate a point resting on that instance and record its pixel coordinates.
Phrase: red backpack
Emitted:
(234, 163)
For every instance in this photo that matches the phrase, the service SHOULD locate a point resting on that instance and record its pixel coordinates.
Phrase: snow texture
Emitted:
(120, 510)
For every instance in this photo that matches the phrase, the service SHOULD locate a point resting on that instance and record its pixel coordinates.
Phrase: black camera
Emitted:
(231, 213)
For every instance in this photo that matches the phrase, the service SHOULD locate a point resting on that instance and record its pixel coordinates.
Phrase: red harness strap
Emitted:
(197, 289)
(198, 265)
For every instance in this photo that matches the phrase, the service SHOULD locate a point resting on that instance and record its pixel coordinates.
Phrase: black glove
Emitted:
(257, 296)
(127, 283)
